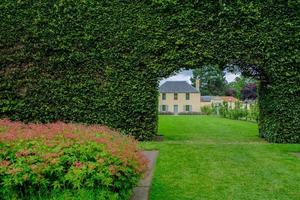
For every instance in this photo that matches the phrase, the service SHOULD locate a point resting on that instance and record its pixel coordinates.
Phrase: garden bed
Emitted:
(59, 158)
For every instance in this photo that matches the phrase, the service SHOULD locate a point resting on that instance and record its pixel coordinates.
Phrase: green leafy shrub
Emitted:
(38, 158)
(207, 110)
(239, 112)
(224, 110)
(253, 112)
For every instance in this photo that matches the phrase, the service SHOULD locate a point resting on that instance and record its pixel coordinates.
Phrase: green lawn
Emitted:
(206, 157)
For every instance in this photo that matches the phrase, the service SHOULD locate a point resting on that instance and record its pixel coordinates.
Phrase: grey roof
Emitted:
(206, 98)
(217, 98)
(177, 87)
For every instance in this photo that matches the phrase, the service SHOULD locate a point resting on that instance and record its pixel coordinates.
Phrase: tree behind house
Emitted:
(212, 80)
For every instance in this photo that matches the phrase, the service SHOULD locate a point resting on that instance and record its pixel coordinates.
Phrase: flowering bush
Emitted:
(59, 156)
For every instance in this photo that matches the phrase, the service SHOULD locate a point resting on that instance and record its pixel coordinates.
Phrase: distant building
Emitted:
(180, 97)
(229, 100)
(211, 100)
(215, 100)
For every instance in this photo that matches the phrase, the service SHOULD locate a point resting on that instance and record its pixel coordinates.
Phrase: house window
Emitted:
(163, 96)
(164, 108)
(187, 96)
(175, 96)
(188, 108)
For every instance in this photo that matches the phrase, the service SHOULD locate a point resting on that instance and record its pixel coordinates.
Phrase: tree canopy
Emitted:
(249, 92)
(239, 84)
(212, 80)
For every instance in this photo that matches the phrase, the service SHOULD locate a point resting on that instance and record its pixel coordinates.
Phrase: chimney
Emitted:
(198, 84)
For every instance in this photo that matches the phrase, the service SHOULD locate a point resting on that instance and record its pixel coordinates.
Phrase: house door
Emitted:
(175, 109)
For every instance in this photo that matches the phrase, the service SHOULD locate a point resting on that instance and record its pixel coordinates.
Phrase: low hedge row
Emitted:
(36, 158)
(190, 113)
(180, 113)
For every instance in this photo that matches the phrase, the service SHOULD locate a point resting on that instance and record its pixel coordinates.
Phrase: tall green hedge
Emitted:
(100, 61)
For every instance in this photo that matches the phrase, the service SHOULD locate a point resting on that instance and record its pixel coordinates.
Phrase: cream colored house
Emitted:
(179, 96)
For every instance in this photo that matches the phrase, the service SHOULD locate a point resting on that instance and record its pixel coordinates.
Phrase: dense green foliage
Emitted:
(238, 85)
(208, 157)
(67, 60)
(56, 157)
(238, 112)
(207, 110)
(249, 92)
(212, 80)
(100, 61)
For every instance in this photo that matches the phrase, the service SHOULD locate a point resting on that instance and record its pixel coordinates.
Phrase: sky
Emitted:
(186, 75)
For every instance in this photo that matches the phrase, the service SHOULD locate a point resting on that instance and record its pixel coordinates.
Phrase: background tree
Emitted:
(230, 92)
(238, 84)
(212, 80)
(249, 91)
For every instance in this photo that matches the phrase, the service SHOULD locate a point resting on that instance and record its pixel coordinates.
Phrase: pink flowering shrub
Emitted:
(58, 156)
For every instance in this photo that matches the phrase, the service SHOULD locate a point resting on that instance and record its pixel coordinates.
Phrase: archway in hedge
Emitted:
(100, 61)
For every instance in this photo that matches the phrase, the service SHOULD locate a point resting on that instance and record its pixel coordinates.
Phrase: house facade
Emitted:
(178, 97)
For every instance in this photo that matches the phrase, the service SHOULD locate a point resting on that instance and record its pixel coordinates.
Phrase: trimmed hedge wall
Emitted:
(100, 61)
(75, 61)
